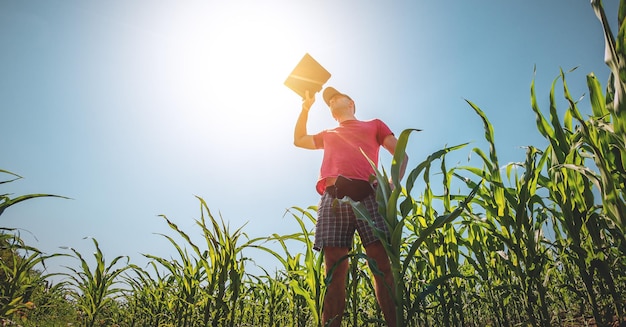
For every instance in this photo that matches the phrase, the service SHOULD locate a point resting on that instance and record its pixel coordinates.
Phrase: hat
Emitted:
(330, 92)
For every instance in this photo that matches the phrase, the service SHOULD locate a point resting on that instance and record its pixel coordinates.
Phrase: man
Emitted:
(346, 171)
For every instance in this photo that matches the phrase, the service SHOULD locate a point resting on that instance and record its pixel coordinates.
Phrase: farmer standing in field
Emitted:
(345, 171)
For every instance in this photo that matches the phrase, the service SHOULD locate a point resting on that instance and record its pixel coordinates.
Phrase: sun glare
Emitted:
(240, 55)
(227, 74)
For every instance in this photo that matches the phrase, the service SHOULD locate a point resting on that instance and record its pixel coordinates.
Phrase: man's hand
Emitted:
(308, 100)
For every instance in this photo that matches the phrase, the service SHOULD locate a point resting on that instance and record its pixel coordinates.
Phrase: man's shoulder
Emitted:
(377, 122)
(374, 121)
(370, 121)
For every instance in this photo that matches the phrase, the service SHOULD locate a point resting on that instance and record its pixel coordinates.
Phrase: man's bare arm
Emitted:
(300, 136)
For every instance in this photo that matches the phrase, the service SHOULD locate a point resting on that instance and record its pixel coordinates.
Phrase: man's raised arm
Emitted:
(300, 137)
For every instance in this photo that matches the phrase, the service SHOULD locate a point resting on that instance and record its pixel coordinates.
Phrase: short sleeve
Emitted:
(318, 139)
(382, 131)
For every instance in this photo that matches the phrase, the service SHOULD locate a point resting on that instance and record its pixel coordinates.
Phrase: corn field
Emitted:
(539, 242)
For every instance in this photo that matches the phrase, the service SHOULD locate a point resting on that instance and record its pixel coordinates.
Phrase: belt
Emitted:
(356, 192)
(331, 190)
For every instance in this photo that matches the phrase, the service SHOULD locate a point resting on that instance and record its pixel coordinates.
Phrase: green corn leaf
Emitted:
(542, 124)
(598, 102)
(414, 174)
(435, 284)
(400, 155)
(439, 221)
(9, 173)
(614, 56)
(6, 202)
(495, 180)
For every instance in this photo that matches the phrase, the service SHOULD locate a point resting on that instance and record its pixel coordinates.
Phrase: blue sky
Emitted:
(133, 108)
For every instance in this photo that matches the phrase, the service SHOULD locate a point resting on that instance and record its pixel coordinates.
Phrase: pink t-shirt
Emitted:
(342, 149)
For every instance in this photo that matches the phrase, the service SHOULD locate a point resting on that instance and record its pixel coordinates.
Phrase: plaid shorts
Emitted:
(336, 223)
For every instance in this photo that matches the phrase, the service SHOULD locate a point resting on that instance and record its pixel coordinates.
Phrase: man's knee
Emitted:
(377, 252)
(336, 260)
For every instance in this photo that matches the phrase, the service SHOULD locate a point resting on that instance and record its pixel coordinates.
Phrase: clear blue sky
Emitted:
(132, 108)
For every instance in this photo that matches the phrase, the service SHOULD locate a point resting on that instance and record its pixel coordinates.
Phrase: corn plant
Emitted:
(208, 282)
(305, 275)
(93, 291)
(19, 261)
(267, 301)
(615, 55)
(570, 182)
(183, 279)
(397, 215)
(18, 275)
(605, 131)
(601, 138)
(361, 306)
(6, 201)
(150, 296)
(434, 272)
(50, 307)
(516, 215)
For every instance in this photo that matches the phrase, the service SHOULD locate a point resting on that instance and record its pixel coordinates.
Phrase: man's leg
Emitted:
(335, 299)
(384, 285)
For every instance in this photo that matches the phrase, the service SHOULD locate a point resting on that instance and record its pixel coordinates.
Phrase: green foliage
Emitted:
(304, 275)
(6, 201)
(94, 291)
(20, 282)
(203, 288)
(18, 276)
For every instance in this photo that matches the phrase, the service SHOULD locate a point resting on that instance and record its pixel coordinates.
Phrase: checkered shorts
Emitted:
(336, 223)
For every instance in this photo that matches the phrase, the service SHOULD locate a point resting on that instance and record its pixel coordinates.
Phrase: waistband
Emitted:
(355, 193)
(332, 190)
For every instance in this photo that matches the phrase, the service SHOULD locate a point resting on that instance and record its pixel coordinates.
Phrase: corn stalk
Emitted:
(209, 281)
(305, 275)
(95, 290)
(396, 216)
(18, 278)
